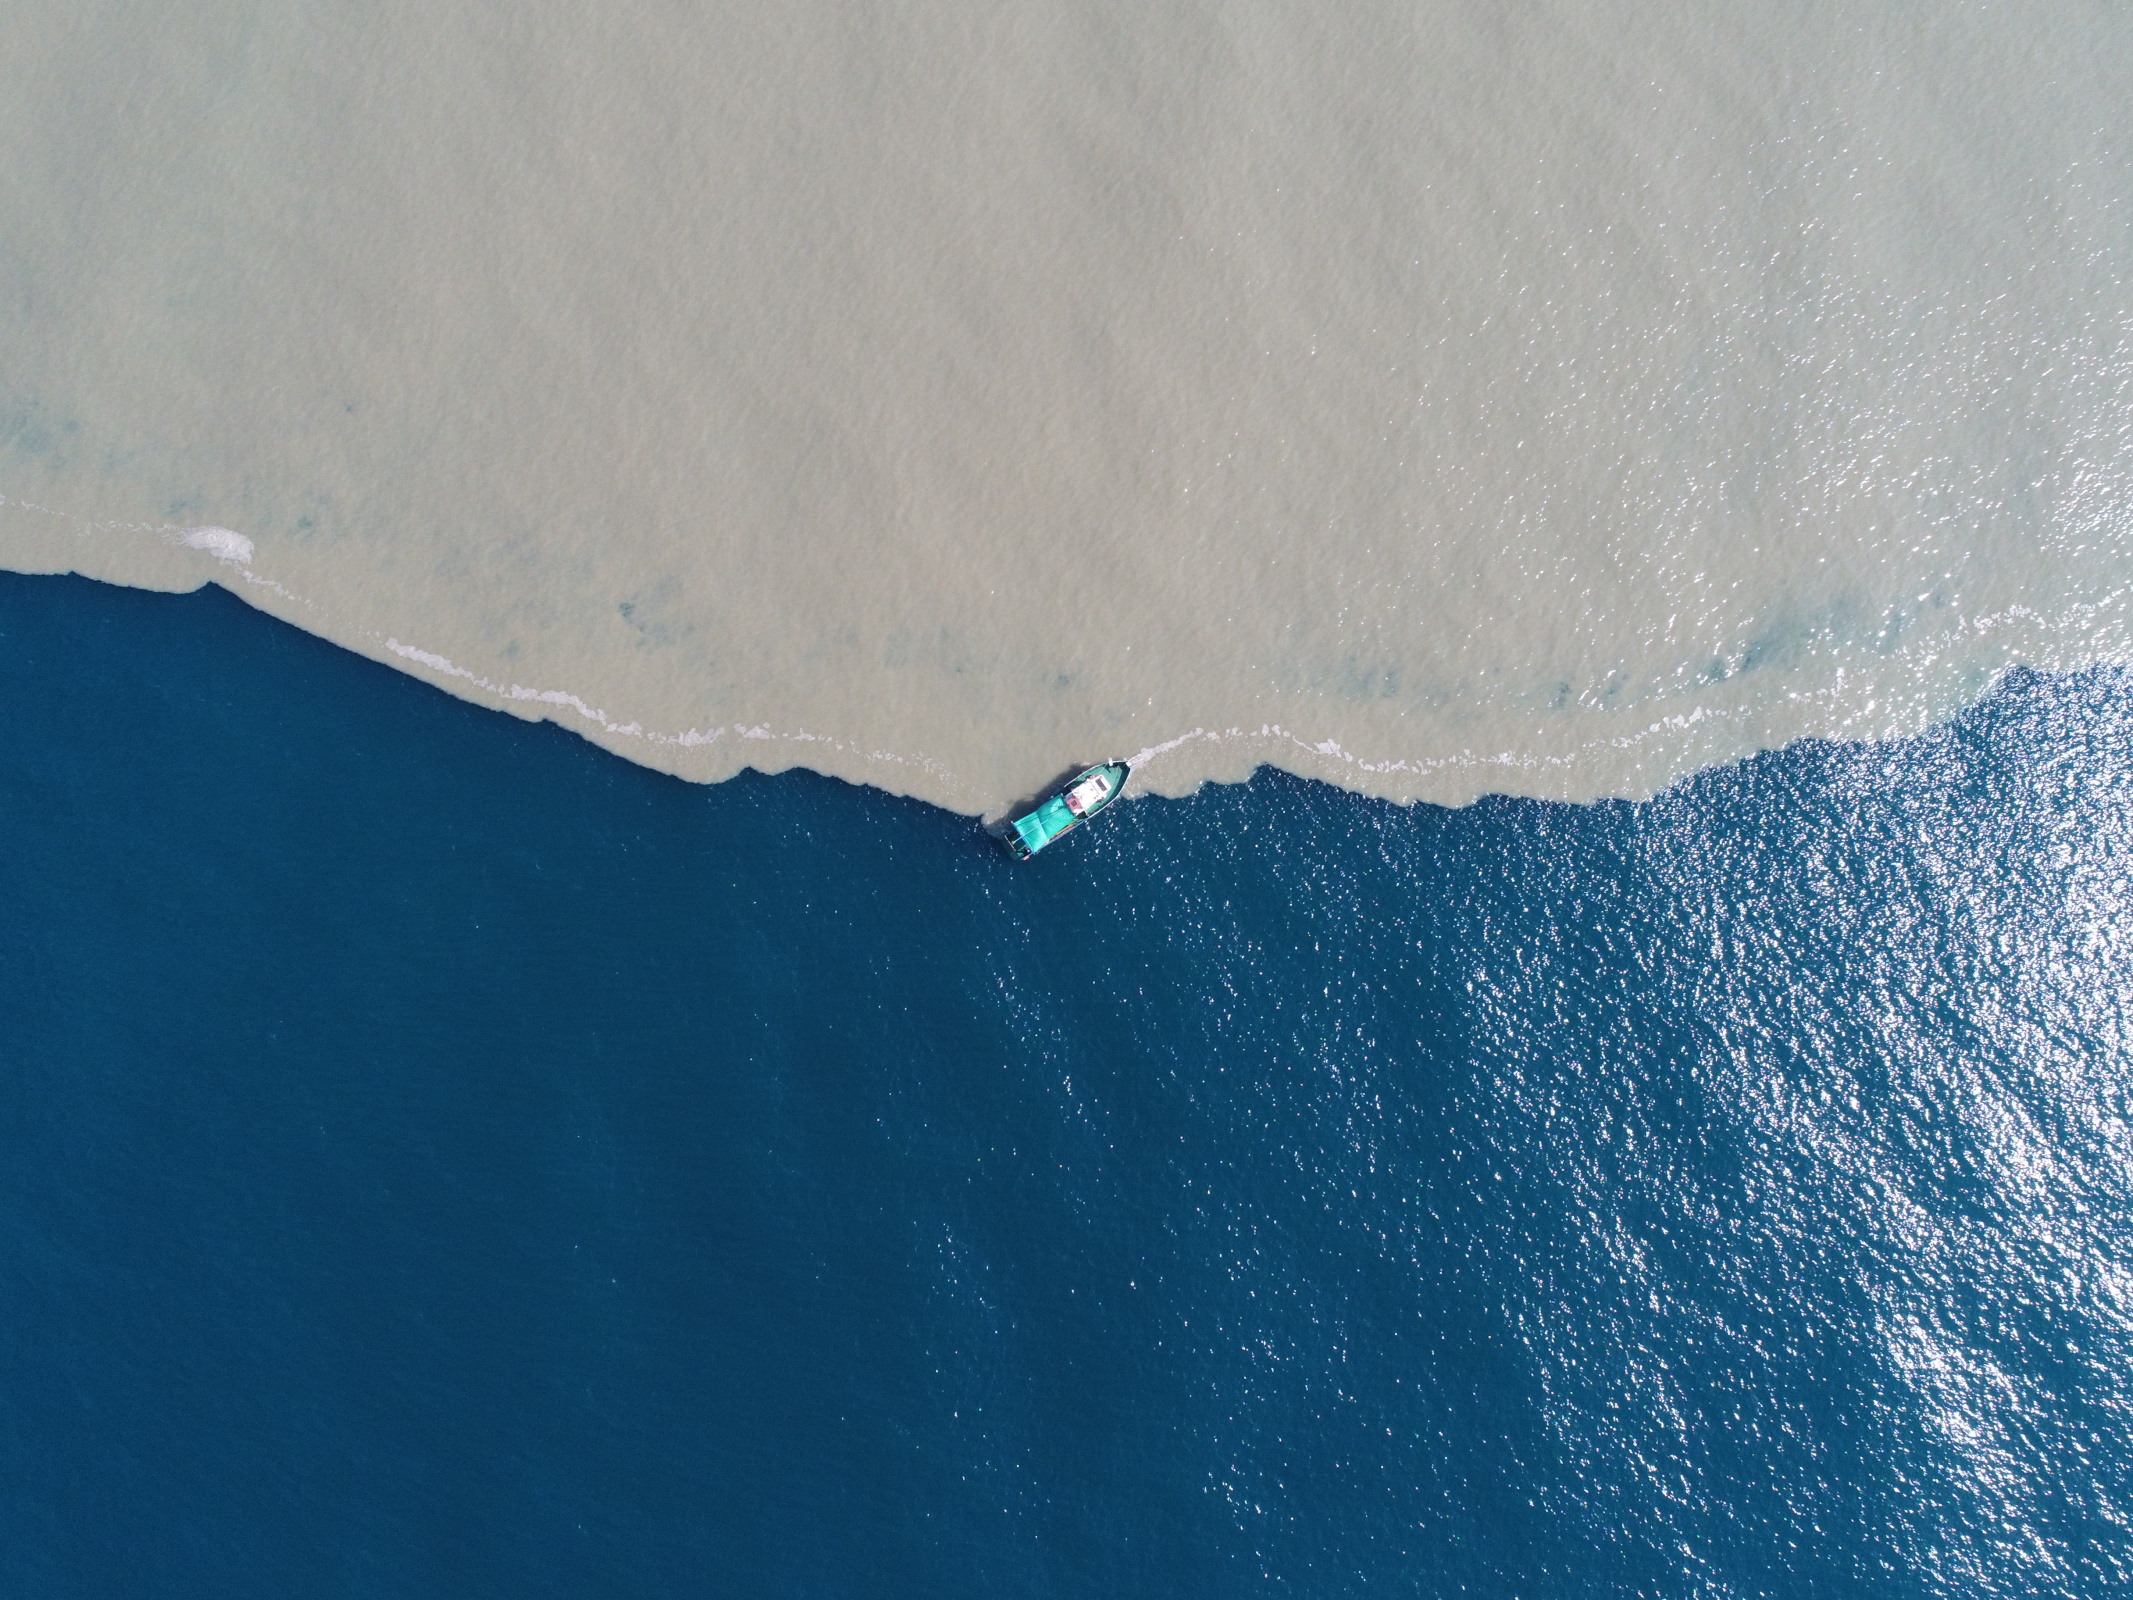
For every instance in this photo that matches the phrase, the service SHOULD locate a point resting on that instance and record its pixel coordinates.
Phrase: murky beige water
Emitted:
(1437, 399)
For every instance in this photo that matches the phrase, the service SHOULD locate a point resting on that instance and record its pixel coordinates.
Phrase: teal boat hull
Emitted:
(1055, 818)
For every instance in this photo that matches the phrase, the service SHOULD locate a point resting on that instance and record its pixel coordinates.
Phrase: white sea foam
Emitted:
(1432, 400)
(220, 543)
(691, 739)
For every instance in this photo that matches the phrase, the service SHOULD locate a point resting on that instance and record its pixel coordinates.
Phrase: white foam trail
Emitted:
(221, 543)
(693, 738)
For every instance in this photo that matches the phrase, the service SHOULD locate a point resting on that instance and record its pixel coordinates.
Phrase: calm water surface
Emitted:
(438, 1158)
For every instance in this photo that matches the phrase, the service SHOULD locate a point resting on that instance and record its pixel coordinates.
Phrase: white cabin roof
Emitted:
(1085, 794)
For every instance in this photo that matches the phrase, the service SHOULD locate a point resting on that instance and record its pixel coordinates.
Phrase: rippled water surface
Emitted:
(439, 1158)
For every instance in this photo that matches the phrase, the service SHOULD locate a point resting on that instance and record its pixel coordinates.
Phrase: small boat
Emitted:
(1067, 810)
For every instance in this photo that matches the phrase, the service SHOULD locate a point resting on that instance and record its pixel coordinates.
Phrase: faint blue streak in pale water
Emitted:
(438, 1158)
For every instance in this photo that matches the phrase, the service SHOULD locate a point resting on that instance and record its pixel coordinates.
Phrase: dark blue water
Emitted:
(437, 1158)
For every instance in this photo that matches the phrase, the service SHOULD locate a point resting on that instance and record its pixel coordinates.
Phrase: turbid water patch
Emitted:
(1431, 399)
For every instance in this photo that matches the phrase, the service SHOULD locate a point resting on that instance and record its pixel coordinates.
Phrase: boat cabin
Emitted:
(1088, 794)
